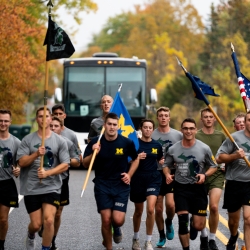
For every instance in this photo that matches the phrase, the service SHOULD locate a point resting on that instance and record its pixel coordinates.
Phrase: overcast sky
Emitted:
(93, 22)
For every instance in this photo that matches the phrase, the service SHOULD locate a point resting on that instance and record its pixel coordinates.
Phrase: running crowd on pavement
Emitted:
(178, 172)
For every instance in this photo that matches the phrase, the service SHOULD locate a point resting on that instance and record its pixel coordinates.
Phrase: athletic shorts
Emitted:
(8, 193)
(111, 194)
(143, 185)
(64, 197)
(237, 194)
(35, 202)
(191, 198)
(165, 188)
(216, 180)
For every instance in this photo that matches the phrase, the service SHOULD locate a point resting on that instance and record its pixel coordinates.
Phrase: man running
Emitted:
(56, 126)
(112, 177)
(8, 169)
(59, 110)
(190, 157)
(237, 188)
(239, 121)
(146, 183)
(214, 184)
(41, 187)
(166, 136)
(97, 123)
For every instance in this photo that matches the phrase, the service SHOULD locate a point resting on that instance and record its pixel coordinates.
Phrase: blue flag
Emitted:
(200, 88)
(126, 125)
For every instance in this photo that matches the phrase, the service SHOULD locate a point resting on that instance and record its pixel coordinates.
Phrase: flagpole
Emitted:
(237, 69)
(94, 154)
(50, 5)
(211, 109)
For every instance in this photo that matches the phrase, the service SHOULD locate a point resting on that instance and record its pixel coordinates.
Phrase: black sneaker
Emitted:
(40, 232)
(53, 247)
(204, 243)
(193, 232)
(232, 243)
(212, 245)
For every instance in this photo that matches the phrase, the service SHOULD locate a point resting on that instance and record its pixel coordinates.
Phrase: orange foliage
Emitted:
(22, 54)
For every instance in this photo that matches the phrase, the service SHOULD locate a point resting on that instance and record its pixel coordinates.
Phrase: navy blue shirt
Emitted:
(153, 149)
(112, 159)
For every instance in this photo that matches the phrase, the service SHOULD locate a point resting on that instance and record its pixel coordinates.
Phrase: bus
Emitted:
(86, 80)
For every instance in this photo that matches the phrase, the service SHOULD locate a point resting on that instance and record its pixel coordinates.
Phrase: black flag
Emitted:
(58, 42)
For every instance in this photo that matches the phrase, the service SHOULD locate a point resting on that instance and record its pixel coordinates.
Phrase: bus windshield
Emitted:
(85, 86)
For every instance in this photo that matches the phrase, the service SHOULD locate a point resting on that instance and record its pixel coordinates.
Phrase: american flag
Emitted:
(244, 83)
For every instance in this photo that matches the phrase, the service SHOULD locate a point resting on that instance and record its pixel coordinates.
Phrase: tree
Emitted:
(20, 72)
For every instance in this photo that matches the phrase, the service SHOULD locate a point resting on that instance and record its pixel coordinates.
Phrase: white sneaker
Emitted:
(30, 243)
(148, 245)
(136, 244)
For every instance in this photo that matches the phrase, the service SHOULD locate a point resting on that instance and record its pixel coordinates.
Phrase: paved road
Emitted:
(80, 228)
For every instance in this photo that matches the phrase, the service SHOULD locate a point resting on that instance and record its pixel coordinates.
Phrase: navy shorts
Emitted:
(64, 197)
(35, 202)
(111, 194)
(191, 198)
(166, 188)
(237, 194)
(143, 185)
(8, 193)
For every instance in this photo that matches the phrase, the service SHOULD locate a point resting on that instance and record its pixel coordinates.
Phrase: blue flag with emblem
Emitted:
(126, 126)
(200, 88)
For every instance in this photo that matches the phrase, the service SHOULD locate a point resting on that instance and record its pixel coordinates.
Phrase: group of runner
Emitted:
(175, 171)
(45, 187)
(172, 171)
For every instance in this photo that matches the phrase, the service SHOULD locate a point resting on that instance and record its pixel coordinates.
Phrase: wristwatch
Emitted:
(206, 176)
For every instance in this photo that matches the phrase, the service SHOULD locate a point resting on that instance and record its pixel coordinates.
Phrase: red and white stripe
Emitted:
(242, 88)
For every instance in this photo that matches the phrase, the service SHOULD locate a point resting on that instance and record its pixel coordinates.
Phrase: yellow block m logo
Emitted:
(154, 151)
(119, 151)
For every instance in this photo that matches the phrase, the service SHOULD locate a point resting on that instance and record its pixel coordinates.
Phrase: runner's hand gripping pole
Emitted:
(91, 163)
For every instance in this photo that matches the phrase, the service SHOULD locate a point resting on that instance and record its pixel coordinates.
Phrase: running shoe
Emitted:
(161, 243)
(232, 244)
(169, 231)
(40, 232)
(193, 232)
(243, 247)
(54, 247)
(136, 244)
(212, 245)
(204, 243)
(30, 243)
(117, 236)
(148, 245)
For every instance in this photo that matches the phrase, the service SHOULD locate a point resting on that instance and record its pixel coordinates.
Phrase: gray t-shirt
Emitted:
(73, 153)
(56, 153)
(8, 150)
(70, 134)
(237, 170)
(189, 161)
(95, 127)
(166, 140)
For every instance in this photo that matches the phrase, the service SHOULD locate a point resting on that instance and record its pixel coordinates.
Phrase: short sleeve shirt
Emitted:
(56, 153)
(112, 159)
(166, 140)
(189, 161)
(153, 149)
(8, 150)
(95, 127)
(237, 170)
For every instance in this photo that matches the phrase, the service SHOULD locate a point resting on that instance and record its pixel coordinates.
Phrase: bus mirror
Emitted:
(58, 95)
(153, 96)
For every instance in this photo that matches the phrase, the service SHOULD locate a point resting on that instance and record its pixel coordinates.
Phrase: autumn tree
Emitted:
(20, 69)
